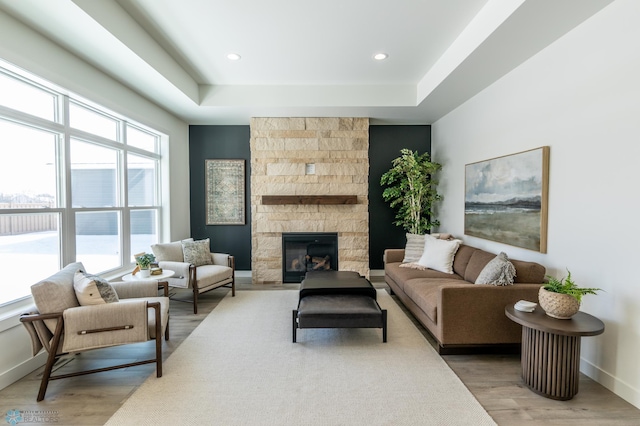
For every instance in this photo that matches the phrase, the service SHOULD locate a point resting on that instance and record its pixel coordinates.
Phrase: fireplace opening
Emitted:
(308, 251)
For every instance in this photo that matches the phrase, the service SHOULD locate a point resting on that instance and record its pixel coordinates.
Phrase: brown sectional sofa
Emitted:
(459, 314)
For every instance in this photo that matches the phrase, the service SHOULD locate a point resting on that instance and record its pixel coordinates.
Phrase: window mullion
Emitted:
(124, 199)
(68, 216)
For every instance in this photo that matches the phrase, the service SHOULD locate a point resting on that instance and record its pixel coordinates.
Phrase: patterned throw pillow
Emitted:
(414, 248)
(197, 253)
(499, 271)
(93, 290)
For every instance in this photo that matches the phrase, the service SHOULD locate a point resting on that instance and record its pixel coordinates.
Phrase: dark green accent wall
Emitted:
(385, 143)
(220, 142)
(232, 142)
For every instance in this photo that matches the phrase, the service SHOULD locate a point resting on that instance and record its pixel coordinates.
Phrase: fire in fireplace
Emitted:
(308, 251)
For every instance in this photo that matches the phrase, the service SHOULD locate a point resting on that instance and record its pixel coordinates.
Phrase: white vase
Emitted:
(145, 273)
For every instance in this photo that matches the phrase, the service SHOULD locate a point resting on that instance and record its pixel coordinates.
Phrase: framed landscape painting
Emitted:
(224, 188)
(506, 199)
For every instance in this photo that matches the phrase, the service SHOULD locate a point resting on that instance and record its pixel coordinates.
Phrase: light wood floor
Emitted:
(493, 379)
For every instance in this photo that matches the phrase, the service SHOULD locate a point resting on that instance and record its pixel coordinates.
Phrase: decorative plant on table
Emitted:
(561, 298)
(412, 189)
(145, 260)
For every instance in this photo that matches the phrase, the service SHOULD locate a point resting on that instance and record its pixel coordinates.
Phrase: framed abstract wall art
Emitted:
(506, 199)
(224, 188)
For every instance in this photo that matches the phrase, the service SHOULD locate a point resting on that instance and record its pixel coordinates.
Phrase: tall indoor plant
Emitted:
(412, 189)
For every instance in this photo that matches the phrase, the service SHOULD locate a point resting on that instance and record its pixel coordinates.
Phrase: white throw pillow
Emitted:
(415, 246)
(438, 254)
(93, 290)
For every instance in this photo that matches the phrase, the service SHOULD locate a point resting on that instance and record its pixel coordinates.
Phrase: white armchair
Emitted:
(200, 270)
(67, 321)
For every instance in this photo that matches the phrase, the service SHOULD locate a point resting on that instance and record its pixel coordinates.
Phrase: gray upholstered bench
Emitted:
(332, 299)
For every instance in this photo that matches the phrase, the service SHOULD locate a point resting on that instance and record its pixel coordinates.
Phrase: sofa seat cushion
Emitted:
(209, 275)
(401, 274)
(424, 293)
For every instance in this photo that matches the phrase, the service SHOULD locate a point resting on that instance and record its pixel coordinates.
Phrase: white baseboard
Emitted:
(243, 274)
(22, 369)
(614, 384)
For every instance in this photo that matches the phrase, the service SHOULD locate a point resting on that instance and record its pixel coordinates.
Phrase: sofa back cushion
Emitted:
(477, 262)
(461, 260)
(56, 293)
(529, 272)
(470, 261)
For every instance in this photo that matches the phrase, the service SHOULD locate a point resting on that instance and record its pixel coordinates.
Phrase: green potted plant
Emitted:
(144, 261)
(412, 189)
(560, 298)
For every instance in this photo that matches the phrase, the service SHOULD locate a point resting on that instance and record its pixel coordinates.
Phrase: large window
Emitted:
(77, 183)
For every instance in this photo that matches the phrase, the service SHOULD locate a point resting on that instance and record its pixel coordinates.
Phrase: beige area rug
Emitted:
(240, 367)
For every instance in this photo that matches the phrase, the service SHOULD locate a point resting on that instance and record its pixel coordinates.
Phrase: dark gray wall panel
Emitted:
(217, 142)
(385, 143)
(220, 142)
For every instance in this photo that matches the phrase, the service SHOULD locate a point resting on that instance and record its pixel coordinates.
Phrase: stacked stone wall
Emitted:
(281, 148)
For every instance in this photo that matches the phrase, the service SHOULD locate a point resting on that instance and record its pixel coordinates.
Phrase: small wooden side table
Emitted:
(551, 350)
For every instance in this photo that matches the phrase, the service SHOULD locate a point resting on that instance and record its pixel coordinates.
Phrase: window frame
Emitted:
(65, 133)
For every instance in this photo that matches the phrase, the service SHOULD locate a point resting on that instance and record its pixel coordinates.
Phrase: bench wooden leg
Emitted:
(384, 326)
(295, 324)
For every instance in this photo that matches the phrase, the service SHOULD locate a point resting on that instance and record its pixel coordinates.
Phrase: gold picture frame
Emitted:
(225, 192)
(507, 199)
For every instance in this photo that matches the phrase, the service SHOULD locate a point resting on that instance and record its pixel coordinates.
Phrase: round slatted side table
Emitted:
(551, 350)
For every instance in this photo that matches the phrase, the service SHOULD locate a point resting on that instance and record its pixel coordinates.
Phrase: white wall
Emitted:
(32, 52)
(580, 96)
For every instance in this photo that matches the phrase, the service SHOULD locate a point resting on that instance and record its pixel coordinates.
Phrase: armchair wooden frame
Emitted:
(59, 331)
(194, 282)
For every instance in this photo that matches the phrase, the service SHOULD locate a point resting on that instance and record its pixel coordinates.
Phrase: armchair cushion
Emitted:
(198, 252)
(93, 290)
(171, 252)
(56, 293)
(82, 324)
(212, 274)
(138, 288)
(220, 259)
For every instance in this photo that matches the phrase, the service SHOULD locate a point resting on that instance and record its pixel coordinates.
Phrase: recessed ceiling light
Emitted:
(233, 57)
(380, 56)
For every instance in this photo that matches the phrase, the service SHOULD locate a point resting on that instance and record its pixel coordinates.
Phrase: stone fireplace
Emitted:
(309, 175)
(308, 251)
